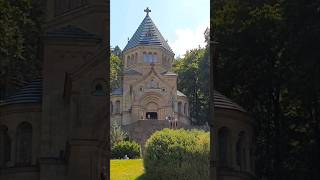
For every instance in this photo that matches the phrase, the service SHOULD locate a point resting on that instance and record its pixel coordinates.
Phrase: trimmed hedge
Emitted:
(177, 154)
(129, 148)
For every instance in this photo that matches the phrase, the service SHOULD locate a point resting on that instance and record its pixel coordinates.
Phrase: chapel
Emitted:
(149, 90)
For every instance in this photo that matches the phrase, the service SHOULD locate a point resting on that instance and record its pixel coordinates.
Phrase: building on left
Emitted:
(55, 126)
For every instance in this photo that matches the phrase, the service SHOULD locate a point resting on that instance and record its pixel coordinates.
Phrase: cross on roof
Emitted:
(147, 11)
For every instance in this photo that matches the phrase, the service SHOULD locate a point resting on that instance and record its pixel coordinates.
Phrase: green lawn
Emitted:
(126, 169)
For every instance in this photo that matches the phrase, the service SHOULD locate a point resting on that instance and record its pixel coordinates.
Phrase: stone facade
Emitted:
(149, 91)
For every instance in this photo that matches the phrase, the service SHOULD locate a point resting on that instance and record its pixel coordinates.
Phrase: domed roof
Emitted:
(221, 101)
(179, 93)
(29, 93)
(147, 34)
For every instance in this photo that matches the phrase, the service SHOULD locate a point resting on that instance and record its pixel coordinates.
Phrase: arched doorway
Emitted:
(151, 110)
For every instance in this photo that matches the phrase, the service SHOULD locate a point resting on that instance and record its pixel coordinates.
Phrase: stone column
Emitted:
(2, 145)
(12, 135)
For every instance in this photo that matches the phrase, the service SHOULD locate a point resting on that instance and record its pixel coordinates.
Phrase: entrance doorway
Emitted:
(151, 115)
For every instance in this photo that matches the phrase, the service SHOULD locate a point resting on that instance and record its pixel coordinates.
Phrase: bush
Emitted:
(117, 134)
(177, 154)
(122, 148)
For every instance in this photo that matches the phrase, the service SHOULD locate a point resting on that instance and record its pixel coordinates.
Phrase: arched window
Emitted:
(132, 59)
(179, 107)
(185, 110)
(150, 57)
(136, 58)
(24, 144)
(163, 60)
(5, 146)
(223, 144)
(241, 155)
(111, 107)
(154, 57)
(117, 108)
(128, 60)
(99, 90)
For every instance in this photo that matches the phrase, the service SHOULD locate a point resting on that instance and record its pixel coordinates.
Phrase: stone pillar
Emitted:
(87, 160)
(2, 145)
(12, 135)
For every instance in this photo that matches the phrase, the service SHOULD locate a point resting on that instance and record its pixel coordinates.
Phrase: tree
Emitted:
(117, 134)
(20, 32)
(115, 71)
(193, 72)
(269, 64)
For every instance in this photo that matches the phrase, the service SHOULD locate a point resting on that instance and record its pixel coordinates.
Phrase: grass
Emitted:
(126, 169)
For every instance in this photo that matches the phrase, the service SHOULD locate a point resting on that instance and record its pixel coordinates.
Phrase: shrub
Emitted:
(177, 154)
(117, 134)
(122, 148)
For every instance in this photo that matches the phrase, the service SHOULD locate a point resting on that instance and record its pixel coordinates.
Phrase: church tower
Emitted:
(148, 85)
(74, 108)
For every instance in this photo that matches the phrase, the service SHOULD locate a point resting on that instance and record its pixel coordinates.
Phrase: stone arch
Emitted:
(128, 60)
(224, 146)
(185, 109)
(150, 96)
(24, 143)
(5, 146)
(117, 107)
(132, 59)
(241, 151)
(98, 87)
(180, 107)
(152, 106)
(136, 58)
(150, 102)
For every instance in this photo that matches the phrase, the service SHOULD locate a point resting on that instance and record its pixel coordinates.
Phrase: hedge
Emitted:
(177, 154)
(129, 148)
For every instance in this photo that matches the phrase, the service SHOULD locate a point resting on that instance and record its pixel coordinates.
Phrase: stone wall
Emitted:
(17, 173)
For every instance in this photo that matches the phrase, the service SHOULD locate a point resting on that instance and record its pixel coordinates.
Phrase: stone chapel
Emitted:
(149, 90)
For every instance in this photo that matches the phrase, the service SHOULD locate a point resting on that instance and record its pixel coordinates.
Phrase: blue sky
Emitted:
(181, 22)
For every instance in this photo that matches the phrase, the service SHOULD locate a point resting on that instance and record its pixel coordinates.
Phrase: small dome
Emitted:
(29, 93)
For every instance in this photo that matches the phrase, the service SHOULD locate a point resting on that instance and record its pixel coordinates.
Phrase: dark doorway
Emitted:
(151, 115)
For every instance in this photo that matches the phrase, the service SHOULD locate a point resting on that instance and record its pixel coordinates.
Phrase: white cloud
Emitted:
(187, 39)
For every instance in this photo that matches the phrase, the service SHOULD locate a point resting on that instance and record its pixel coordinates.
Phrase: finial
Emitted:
(147, 11)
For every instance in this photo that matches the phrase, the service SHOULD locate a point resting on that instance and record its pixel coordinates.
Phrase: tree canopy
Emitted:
(269, 63)
(20, 30)
(193, 79)
(115, 69)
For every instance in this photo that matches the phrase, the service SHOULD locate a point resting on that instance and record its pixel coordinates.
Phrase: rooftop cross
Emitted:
(147, 11)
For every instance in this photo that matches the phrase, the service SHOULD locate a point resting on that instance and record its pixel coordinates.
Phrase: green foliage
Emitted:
(177, 154)
(269, 63)
(115, 71)
(20, 30)
(129, 148)
(193, 79)
(117, 134)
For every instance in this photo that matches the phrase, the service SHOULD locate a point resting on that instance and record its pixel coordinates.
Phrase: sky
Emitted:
(181, 22)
